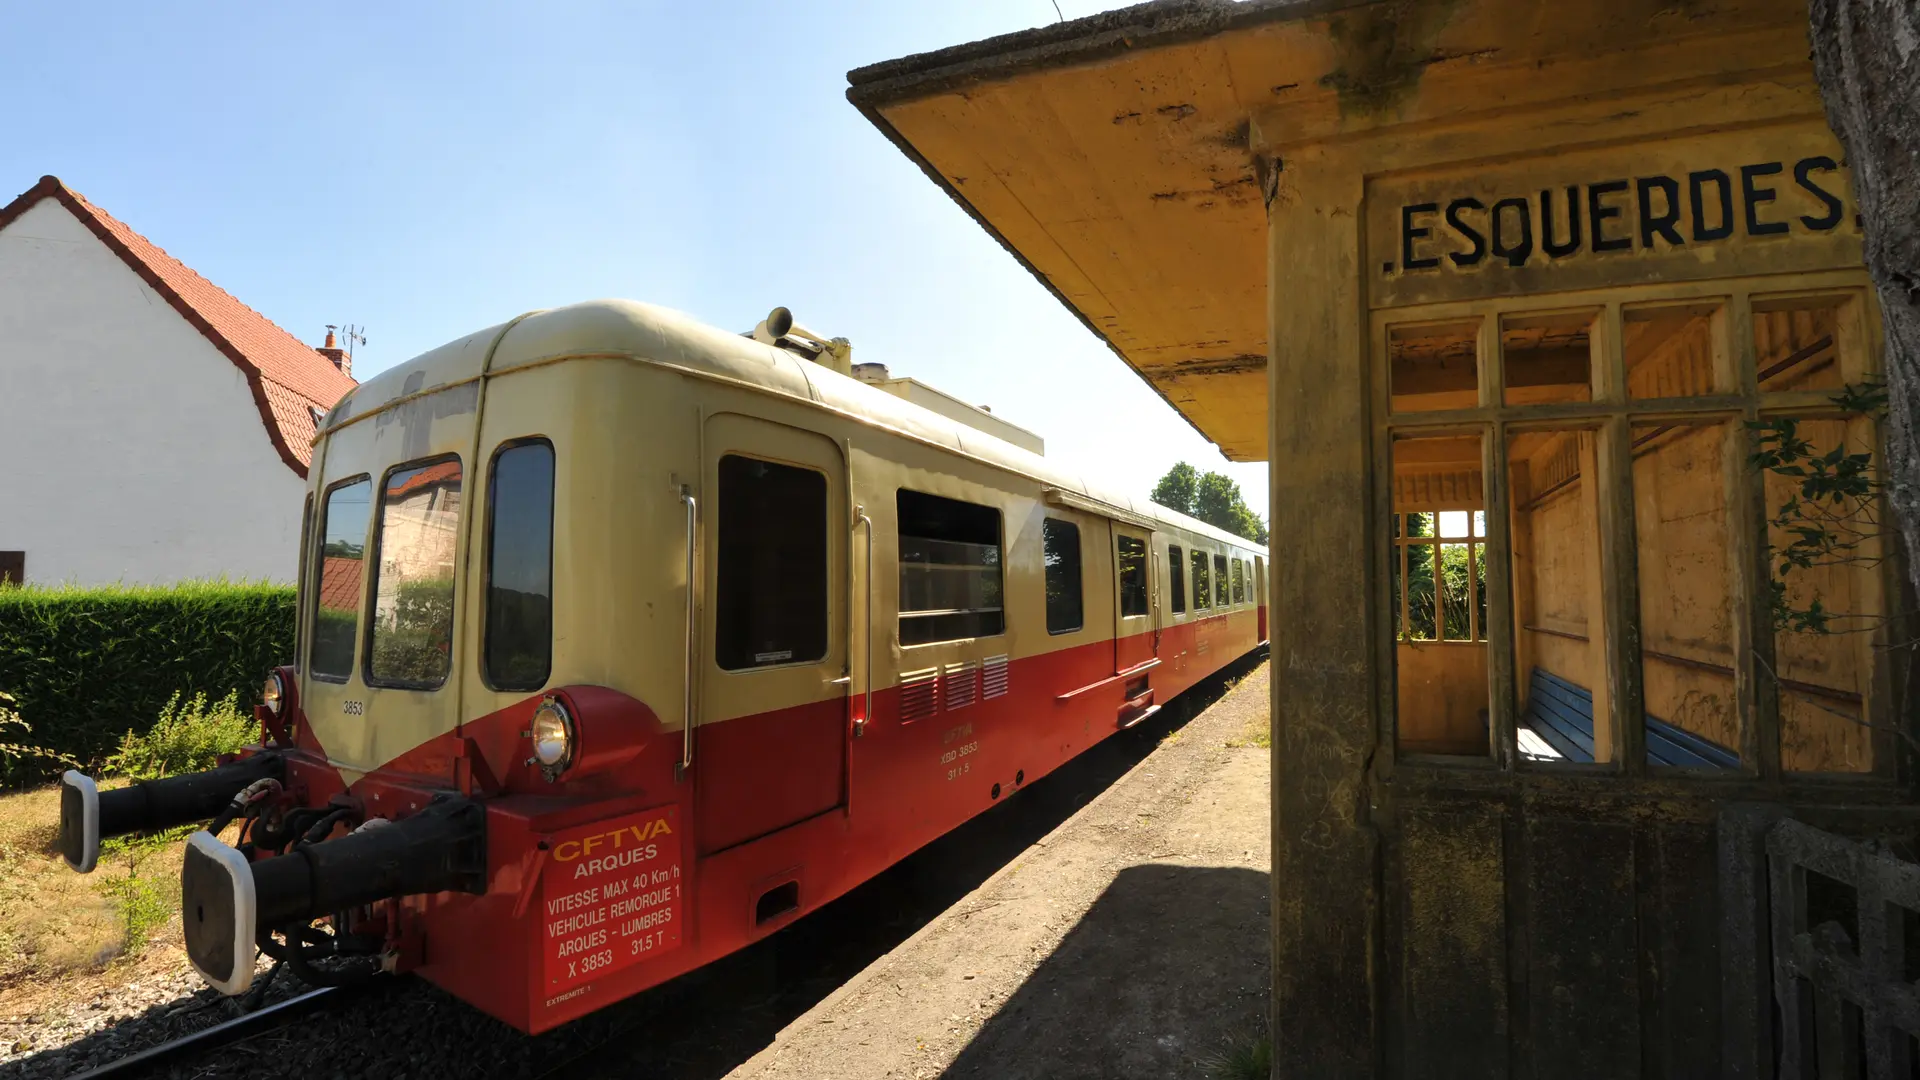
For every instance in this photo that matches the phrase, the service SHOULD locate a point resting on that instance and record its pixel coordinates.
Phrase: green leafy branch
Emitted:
(1831, 514)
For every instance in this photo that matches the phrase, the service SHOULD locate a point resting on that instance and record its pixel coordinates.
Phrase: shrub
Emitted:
(88, 665)
(188, 737)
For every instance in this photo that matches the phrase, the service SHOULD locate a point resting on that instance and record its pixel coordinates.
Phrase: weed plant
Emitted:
(188, 737)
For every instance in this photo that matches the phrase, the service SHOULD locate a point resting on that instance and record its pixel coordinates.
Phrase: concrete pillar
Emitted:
(1325, 920)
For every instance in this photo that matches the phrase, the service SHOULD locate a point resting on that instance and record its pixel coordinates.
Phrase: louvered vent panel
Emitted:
(919, 693)
(960, 686)
(993, 676)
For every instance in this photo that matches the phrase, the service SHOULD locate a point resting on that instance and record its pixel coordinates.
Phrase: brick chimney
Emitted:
(338, 355)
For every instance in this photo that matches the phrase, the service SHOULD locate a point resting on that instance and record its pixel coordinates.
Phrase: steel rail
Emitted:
(261, 1020)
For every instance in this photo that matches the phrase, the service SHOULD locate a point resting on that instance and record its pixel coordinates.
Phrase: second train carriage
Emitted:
(624, 641)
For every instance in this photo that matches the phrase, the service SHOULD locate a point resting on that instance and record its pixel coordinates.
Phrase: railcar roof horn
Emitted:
(779, 330)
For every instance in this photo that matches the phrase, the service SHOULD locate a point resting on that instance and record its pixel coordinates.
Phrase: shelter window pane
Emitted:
(1559, 626)
(1548, 358)
(1682, 482)
(410, 635)
(1060, 549)
(338, 575)
(1434, 366)
(1438, 572)
(1797, 343)
(1177, 578)
(1824, 539)
(950, 580)
(1675, 350)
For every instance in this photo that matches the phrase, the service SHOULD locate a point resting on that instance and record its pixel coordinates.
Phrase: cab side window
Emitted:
(410, 633)
(300, 589)
(1060, 548)
(337, 577)
(519, 632)
(771, 599)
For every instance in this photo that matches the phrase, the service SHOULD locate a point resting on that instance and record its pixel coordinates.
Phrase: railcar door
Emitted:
(771, 746)
(1260, 593)
(1134, 639)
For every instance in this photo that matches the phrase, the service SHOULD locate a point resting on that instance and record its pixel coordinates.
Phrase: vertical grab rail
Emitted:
(866, 697)
(686, 658)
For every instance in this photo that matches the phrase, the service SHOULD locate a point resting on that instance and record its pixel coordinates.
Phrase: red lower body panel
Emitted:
(590, 900)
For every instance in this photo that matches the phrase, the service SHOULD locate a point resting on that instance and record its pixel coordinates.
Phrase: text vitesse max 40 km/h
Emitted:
(624, 641)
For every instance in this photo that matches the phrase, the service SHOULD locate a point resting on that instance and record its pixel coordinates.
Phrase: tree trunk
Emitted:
(1866, 54)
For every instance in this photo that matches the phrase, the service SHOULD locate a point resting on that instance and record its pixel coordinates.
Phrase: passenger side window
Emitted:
(1202, 592)
(1177, 578)
(1060, 544)
(337, 576)
(1239, 581)
(771, 602)
(1133, 577)
(410, 640)
(519, 633)
(950, 585)
(1220, 581)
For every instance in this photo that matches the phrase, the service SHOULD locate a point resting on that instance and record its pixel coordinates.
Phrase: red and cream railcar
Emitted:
(625, 641)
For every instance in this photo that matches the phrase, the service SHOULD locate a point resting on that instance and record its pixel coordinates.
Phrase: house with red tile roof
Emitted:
(153, 428)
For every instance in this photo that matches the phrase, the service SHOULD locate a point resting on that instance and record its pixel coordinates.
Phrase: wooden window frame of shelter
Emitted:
(1611, 414)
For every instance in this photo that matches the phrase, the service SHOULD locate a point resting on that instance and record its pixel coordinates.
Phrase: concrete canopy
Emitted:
(1110, 155)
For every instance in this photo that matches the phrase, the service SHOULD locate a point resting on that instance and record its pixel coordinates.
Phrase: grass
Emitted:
(1251, 1059)
(54, 922)
(1257, 733)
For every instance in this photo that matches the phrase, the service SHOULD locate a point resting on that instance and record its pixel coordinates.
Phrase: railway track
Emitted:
(258, 1022)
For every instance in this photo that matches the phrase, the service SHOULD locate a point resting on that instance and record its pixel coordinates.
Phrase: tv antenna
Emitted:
(350, 335)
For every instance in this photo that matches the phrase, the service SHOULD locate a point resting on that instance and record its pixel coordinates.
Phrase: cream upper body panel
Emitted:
(636, 402)
(629, 329)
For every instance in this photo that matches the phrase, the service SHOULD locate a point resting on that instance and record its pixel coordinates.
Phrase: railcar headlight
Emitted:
(274, 694)
(552, 733)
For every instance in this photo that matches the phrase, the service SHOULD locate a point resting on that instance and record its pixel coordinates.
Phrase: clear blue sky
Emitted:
(429, 169)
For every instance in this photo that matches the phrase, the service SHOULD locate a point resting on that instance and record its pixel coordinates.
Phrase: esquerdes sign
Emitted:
(611, 896)
(1752, 202)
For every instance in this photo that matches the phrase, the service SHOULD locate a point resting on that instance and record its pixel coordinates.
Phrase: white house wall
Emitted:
(130, 448)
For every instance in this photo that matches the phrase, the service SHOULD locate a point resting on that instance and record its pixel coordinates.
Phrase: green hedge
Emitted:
(87, 665)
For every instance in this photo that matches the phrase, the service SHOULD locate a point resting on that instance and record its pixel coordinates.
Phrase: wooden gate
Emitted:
(1820, 943)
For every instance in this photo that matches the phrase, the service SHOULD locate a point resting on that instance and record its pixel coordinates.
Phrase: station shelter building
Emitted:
(1552, 322)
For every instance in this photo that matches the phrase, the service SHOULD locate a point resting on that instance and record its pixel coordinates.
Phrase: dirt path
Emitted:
(1130, 942)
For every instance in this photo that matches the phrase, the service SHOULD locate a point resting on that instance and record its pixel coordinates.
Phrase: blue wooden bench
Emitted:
(1561, 714)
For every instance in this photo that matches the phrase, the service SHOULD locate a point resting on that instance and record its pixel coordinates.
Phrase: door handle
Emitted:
(686, 658)
(866, 698)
